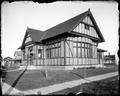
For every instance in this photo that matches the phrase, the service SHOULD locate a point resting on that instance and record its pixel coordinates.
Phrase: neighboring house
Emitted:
(70, 44)
(18, 57)
(1, 61)
(109, 60)
(100, 56)
(8, 62)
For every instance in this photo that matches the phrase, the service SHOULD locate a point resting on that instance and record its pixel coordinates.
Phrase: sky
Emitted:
(16, 16)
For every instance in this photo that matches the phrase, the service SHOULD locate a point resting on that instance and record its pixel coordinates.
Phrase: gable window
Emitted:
(86, 26)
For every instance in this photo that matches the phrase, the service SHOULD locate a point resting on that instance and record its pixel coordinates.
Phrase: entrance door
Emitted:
(30, 57)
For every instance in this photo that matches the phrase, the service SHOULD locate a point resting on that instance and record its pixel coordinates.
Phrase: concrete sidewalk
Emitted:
(61, 86)
(70, 84)
(7, 89)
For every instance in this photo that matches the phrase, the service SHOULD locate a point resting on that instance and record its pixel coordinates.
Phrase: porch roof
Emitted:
(101, 50)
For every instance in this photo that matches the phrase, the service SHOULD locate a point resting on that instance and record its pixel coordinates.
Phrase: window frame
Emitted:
(87, 27)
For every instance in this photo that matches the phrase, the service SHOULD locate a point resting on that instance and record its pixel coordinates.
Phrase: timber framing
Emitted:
(70, 43)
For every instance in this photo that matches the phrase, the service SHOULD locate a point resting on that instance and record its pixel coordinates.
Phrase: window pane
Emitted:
(75, 55)
(86, 52)
(57, 52)
(53, 52)
(82, 45)
(82, 52)
(86, 45)
(74, 44)
(79, 52)
(79, 44)
(87, 27)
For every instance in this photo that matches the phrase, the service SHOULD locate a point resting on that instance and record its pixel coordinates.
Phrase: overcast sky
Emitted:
(16, 16)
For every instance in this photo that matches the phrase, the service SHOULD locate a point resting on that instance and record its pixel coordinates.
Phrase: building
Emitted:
(109, 60)
(67, 45)
(100, 56)
(8, 62)
(17, 57)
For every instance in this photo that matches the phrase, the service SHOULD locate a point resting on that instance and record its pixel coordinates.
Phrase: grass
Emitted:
(107, 86)
(87, 72)
(12, 68)
(36, 78)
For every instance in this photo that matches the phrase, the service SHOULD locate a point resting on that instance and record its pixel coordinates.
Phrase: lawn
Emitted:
(11, 68)
(87, 72)
(107, 86)
(31, 79)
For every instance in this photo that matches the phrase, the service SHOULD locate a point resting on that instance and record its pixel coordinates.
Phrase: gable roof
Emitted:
(65, 27)
(36, 35)
(70, 24)
(7, 58)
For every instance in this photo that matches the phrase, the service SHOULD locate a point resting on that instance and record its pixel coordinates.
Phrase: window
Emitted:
(86, 26)
(82, 50)
(83, 53)
(53, 50)
(48, 55)
(79, 52)
(75, 49)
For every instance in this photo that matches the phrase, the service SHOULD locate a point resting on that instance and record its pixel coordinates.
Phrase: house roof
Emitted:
(69, 25)
(65, 27)
(36, 35)
(7, 58)
(101, 50)
(110, 57)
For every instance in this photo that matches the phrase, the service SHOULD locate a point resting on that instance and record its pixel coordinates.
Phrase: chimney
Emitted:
(88, 9)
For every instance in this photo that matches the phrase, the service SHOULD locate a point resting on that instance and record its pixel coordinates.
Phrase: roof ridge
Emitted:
(84, 13)
(28, 28)
(69, 19)
(64, 26)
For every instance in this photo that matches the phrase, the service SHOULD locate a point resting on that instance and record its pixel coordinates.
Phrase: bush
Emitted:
(39, 92)
(91, 67)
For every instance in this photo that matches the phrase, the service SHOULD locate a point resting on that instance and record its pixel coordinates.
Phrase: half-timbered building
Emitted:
(67, 45)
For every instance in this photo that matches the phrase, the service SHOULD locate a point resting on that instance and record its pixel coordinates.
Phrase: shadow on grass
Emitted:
(81, 77)
(85, 78)
(16, 81)
(43, 73)
(105, 87)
